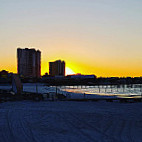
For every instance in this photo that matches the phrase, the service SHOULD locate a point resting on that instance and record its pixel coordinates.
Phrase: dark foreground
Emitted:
(27, 121)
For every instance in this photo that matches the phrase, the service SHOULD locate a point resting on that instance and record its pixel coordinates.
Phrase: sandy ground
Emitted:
(70, 122)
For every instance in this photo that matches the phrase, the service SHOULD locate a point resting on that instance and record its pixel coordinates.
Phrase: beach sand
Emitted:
(58, 121)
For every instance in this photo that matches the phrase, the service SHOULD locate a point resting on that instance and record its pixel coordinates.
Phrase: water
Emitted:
(121, 91)
(133, 90)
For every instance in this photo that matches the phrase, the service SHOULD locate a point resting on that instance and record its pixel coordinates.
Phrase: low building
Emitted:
(79, 76)
(4, 74)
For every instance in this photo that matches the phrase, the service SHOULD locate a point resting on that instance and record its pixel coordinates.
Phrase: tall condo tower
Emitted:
(57, 68)
(29, 62)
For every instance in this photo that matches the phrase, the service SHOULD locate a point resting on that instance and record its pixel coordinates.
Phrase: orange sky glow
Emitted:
(92, 36)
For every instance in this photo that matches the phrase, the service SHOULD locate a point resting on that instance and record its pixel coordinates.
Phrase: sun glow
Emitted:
(69, 71)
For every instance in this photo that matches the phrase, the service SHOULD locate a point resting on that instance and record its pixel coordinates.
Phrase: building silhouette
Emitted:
(3, 74)
(57, 68)
(29, 62)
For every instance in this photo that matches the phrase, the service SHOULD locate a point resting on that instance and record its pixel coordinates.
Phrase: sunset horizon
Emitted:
(71, 68)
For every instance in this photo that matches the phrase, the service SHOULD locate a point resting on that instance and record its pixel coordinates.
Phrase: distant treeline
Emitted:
(93, 81)
(80, 81)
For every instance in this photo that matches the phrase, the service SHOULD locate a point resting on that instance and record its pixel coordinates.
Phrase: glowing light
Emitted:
(69, 71)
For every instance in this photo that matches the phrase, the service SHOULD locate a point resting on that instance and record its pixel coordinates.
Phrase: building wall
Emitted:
(29, 64)
(38, 64)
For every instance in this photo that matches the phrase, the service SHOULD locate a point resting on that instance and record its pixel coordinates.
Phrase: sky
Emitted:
(101, 37)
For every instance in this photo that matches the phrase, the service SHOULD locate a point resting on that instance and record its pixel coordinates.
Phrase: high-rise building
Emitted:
(57, 68)
(29, 62)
